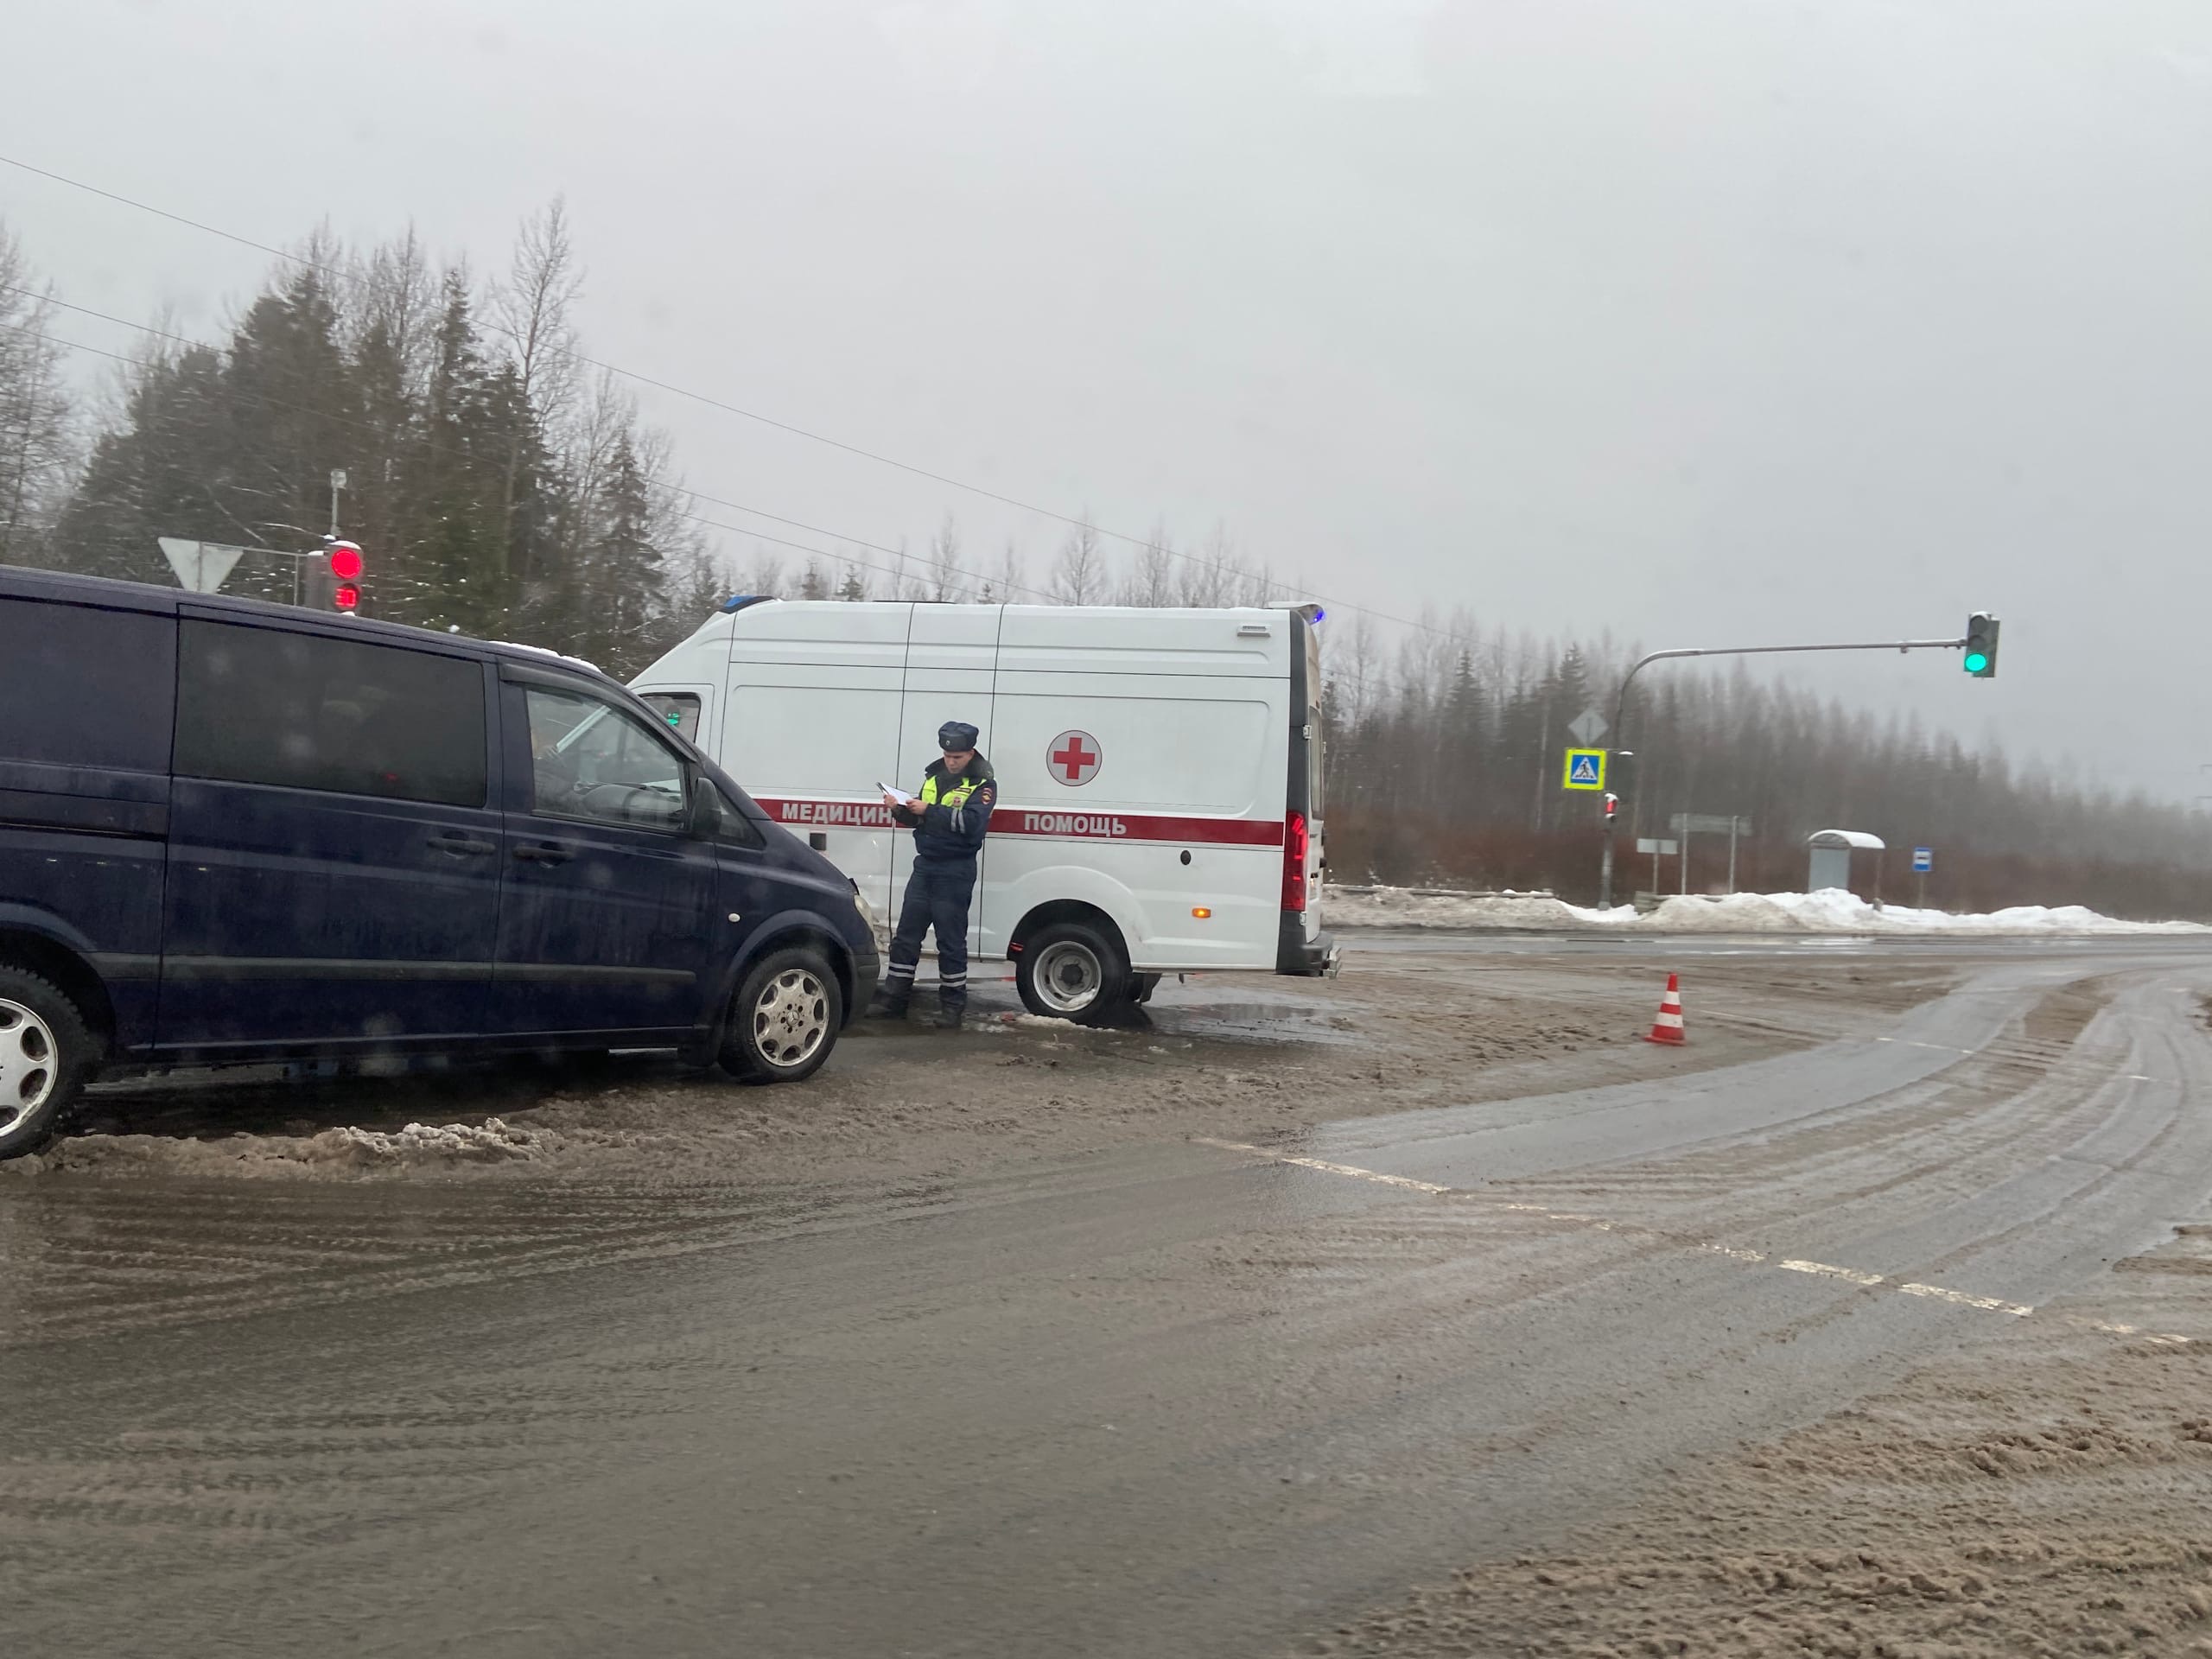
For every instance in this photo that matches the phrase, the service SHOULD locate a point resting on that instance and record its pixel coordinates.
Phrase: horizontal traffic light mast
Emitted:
(1978, 643)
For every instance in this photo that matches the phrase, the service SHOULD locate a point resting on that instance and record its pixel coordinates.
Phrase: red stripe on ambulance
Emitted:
(1057, 826)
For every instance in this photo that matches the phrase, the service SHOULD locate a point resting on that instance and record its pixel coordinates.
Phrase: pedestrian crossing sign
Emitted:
(1585, 769)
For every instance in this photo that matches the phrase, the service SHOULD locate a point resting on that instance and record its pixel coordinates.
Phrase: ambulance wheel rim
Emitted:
(1068, 976)
(27, 1069)
(791, 1021)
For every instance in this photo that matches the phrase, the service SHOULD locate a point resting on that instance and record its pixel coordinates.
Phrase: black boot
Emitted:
(891, 999)
(951, 1008)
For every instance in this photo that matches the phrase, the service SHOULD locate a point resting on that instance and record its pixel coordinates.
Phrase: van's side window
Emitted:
(592, 759)
(85, 687)
(304, 711)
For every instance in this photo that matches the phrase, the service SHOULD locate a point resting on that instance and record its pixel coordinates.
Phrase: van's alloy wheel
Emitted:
(26, 1063)
(46, 1054)
(791, 1018)
(785, 1018)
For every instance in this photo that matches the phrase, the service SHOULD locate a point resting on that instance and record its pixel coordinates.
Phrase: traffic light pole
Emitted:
(1620, 706)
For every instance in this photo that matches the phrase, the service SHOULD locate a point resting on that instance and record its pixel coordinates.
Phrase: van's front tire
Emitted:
(785, 1018)
(1071, 970)
(47, 1056)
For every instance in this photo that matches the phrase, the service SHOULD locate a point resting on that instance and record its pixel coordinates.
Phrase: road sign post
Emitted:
(1686, 824)
(1923, 861)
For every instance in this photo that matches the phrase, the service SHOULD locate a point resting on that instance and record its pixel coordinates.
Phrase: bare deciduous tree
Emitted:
(532, 308)
(1011, 589)
(947, 580)
(1079, 575)
(36, 452)
(1152, 573)
(766, 577)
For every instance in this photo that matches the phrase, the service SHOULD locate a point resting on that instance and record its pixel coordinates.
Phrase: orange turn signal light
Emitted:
(1201, 912)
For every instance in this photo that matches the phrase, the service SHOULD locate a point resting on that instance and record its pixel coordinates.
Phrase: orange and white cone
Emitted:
(1668, 1026)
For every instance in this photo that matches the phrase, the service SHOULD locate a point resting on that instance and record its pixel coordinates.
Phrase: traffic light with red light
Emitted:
(340, 587)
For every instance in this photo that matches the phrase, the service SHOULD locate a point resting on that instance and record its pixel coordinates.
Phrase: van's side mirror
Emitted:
(706, 814)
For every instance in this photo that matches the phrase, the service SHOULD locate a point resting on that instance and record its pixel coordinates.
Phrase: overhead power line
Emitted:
(1217, 566)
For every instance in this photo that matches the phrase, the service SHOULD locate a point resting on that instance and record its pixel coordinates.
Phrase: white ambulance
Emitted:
(1159, 770)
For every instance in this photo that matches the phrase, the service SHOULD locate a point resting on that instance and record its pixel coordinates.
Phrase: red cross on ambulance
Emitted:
(1074, 757)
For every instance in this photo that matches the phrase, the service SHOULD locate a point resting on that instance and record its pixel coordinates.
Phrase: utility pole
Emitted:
(1980, 641)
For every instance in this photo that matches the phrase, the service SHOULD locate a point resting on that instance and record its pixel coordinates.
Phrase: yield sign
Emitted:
(1073, 758)
(199, 566)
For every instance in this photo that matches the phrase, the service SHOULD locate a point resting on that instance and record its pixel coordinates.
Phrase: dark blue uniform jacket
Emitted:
(952, 835)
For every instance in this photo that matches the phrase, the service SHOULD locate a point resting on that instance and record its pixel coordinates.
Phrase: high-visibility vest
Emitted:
(956, 797)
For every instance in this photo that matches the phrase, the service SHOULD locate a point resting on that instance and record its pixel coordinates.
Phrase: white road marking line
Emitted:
(2017, 1310)
(1734, 1253)
(1352, 1170)
(1826, 1270)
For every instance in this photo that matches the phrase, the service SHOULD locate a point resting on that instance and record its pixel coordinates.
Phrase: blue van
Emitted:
(231, 831)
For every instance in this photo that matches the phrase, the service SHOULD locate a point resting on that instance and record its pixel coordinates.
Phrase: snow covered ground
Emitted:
(1830, 911)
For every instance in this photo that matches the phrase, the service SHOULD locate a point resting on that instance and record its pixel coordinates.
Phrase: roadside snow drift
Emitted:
(1829, 910)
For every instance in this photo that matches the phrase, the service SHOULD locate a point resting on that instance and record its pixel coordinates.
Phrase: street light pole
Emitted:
(1620, 706)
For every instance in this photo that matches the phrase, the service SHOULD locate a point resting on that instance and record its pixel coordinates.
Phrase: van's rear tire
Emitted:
(785, 1018)
(1072, 970)
(47, 1054)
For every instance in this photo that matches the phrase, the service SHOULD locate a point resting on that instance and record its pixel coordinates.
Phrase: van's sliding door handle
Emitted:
(452, 842)
(543, 852)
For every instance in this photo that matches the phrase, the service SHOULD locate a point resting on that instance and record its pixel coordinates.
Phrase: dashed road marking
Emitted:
(1734, 1253)
(1352, 1170)
(1827, 1270)
(2017, 1310)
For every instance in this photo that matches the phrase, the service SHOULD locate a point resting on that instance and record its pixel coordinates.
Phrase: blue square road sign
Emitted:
(1585, 769)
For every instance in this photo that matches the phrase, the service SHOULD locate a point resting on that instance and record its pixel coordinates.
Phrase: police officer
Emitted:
(950, 819)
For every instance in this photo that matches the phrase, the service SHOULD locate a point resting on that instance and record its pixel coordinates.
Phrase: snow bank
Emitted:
(418, 1142)
(1830, 911)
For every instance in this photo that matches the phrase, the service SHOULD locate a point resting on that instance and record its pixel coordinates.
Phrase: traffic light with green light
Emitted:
(1981, 646)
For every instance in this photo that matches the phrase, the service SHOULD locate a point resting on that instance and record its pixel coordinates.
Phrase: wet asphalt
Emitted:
(1189, 1398)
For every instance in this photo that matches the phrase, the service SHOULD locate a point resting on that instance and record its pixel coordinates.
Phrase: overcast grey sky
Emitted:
(1702, 320)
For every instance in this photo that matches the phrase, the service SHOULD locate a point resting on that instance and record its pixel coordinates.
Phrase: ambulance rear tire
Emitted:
(1072, 970)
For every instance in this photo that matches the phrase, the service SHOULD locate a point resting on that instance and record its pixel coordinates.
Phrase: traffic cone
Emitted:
(1668, 1026)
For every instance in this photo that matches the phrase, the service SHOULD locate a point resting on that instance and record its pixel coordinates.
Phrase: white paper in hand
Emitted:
(898, 795)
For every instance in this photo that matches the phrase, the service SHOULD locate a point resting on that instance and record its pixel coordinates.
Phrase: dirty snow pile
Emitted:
(1830, 911)
(492, 1140)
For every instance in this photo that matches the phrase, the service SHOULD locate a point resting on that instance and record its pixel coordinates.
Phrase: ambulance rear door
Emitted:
(1303, 948)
